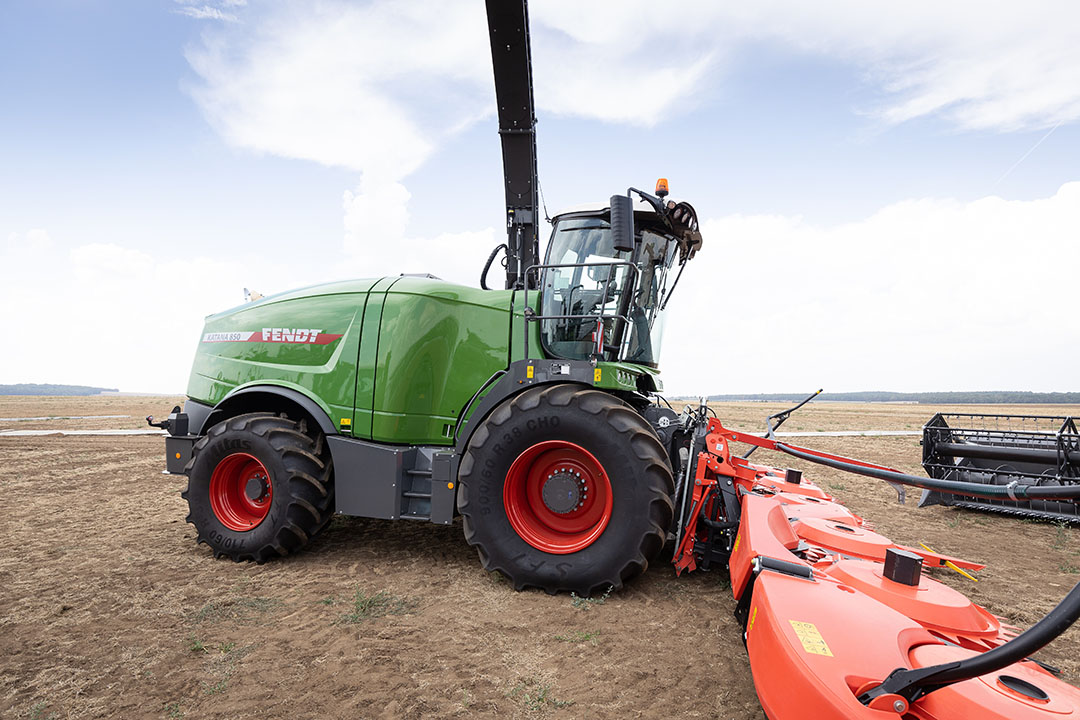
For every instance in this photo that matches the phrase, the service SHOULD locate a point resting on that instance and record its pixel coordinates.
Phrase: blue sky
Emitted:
(866, 223)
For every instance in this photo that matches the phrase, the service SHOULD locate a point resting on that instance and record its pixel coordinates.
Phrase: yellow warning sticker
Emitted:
(596, 375)
(753, 617)
(735, 549)
(529, 371)
(811, 639)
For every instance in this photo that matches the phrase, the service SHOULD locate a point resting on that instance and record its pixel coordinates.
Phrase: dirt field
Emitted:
(108, 609)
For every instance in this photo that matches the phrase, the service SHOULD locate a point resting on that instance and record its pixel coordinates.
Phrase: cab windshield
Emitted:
(599, 302)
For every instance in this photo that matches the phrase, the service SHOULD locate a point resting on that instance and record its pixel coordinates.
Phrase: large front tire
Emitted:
(259, 487)
(565, 488)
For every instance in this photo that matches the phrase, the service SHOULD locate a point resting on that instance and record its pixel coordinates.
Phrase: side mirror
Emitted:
(622, 223)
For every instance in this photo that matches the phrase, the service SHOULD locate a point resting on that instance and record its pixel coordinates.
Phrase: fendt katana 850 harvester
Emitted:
(534, 413)
(413, 398)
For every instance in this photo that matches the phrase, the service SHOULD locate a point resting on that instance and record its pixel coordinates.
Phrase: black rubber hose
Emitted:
(1026, 643)
(989, 492)
(913, 683)
(916, 682)
(487, 265)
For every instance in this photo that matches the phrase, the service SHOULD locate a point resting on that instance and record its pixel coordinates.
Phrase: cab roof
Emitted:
(596, 208)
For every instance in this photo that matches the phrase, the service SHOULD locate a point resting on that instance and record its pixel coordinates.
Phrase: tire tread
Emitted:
(620, 418)
(309, 484)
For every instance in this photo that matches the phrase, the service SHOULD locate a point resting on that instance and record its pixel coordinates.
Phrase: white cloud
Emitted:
(456, 256)
(377, 87)
(25, 245)
(925, 294)
(929, 294)
(209, 11)
(377, 212)
(112, 316)
(377, 241)
(999, 66)
(371, 88)
(621, 62)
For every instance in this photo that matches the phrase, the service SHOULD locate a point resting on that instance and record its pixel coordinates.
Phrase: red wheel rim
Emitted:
(240, 492)
(557, 497)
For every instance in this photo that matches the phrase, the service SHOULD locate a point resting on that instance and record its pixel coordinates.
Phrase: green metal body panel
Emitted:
(438, 343)
(623, 376)
(366, 362)
(324, 372)
(395, 360)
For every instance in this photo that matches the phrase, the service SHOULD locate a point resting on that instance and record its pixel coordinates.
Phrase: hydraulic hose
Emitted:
(1012, 491)
(916, 682)
(1023, 645)
(487, 265)
(913, 683)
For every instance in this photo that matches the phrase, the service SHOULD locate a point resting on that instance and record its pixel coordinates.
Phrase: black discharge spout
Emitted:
(511, 58)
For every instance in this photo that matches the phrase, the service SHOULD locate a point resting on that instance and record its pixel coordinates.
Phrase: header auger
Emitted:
(534, 413)
(1025, 462)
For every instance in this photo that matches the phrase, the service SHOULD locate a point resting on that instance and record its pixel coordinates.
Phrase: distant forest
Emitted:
(981, 397)
(50, 389)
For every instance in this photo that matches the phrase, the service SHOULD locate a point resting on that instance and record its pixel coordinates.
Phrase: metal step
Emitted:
(383, 481)
(409, 516)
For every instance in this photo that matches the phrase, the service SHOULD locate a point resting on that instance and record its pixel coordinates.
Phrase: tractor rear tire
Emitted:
(565, 488)
(259, 487)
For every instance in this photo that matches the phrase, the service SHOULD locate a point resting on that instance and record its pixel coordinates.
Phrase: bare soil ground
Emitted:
(72, 412)
(108, 609)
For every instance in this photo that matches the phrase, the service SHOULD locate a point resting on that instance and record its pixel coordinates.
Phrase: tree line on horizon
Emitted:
(976, 397)
(51, 389)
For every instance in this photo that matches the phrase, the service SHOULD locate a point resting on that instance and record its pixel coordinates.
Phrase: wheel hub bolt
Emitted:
(256, 488)
(564, 491)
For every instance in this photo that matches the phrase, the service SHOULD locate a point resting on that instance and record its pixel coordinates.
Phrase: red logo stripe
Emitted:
(278, 336)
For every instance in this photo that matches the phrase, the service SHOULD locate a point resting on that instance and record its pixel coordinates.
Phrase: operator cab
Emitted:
(604, 297)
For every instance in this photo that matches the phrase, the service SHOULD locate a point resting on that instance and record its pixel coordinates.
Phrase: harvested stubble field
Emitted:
(108, 609)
